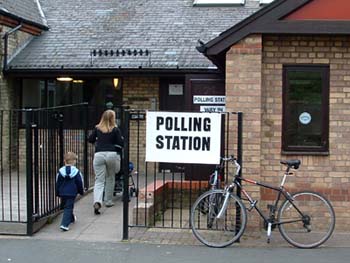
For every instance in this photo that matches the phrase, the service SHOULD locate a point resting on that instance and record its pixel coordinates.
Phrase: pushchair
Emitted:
(119, 181)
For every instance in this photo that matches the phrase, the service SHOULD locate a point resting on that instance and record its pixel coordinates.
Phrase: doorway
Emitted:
(172, 98)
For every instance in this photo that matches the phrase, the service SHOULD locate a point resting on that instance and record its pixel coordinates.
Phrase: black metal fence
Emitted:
(12, 168)
(164, 197)
(32, 146)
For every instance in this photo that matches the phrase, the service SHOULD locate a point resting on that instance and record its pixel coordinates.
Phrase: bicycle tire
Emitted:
(214, 232)
(316, 226)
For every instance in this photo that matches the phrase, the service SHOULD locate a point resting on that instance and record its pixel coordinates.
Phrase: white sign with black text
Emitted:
(183, 137)
(212, 108)
(205, 99)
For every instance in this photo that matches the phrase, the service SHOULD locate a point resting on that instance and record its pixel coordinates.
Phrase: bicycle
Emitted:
(216, 177)
(305, 219)
(214, 183)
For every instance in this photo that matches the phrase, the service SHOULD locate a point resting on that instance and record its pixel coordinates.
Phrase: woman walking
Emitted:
(108, 143)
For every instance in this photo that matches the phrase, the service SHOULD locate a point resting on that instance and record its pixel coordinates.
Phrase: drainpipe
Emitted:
(6, 37)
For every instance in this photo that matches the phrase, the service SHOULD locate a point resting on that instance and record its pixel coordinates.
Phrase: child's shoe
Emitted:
(97, 207)
(64, 228)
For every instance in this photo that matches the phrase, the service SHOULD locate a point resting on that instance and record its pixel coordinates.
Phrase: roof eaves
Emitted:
(22, 20)
(247, 26)
(47, 71)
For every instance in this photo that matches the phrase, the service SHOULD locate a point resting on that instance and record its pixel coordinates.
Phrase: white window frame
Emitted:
(218, 2)
(265, 2)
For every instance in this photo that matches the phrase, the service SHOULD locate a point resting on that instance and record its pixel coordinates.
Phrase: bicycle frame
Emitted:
(216, 177)
(281, 192)
(269, 221)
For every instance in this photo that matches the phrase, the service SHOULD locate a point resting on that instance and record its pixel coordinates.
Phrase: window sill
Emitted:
(305, 153)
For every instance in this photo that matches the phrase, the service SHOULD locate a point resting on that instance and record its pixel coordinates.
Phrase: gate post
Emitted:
(240, 146)
(239, 160)
(61, 137)
(125, 160)
(29, 171)
(36, 168)
(86, 145)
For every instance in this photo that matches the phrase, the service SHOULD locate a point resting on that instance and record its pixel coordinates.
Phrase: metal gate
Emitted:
(32, 146)
(163, 199)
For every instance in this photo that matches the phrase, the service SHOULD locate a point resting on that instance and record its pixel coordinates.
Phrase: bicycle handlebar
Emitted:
(232, 159)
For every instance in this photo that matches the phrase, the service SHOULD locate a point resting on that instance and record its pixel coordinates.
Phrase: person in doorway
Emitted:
(108, 144)
(69, 183)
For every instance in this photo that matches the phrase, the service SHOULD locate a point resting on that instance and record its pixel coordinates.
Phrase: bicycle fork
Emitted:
(224, 205)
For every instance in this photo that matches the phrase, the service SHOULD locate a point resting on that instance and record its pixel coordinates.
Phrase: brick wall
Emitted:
(8, 94)
(138, 93)
(7, 91)
(243, 77)
(254, 86)
(327, 174)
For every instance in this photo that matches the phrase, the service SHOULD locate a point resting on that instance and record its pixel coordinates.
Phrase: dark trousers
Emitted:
(68, 216)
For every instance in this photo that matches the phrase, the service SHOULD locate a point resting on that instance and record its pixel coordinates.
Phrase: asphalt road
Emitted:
(26, 250)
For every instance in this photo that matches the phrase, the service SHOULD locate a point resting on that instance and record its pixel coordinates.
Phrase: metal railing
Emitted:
(32, 146)
(164, 197)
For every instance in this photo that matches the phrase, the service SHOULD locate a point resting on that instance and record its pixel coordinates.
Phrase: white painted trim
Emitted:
(218, 2)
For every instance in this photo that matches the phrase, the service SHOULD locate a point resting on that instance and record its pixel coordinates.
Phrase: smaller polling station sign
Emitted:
(183, 137)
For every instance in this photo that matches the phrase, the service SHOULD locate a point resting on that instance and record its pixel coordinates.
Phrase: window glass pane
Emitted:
(303, 109)
(62, 94)
(32, 93)
(77, 93)
(50, 96)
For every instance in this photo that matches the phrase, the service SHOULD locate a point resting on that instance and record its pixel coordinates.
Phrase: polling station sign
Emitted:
(183, 137)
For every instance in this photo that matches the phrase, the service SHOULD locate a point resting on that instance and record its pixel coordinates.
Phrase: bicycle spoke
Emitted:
(311, 228)
(213, 231)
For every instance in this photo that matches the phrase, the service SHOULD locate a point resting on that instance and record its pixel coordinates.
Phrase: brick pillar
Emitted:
(243, 93)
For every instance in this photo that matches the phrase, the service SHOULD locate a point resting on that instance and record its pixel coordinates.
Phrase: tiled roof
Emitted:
(168, 29)
(28, 10)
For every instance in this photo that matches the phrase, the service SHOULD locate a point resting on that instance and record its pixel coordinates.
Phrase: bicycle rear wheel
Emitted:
(209, 229)
(309, 227)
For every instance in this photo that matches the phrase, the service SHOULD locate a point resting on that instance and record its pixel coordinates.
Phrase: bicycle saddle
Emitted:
(292, 163)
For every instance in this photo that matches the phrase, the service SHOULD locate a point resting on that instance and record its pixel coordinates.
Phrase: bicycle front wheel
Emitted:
(211, 230)
(307, 221)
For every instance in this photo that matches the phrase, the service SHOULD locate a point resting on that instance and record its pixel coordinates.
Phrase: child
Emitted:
(69, 183)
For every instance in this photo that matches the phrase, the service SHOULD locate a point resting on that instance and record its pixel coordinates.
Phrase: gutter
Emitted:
(103, 72)
(23, 20)
(6, 38)
(202, 48)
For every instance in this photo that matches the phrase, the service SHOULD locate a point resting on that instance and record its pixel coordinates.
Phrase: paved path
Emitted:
(89, 227)
(107, 227)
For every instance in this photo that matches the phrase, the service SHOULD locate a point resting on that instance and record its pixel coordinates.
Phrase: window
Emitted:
(218, 2)
(305, 109)
(49, 93)
(263, 2)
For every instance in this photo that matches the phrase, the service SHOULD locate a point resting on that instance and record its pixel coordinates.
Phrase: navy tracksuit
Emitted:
(69, 183)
